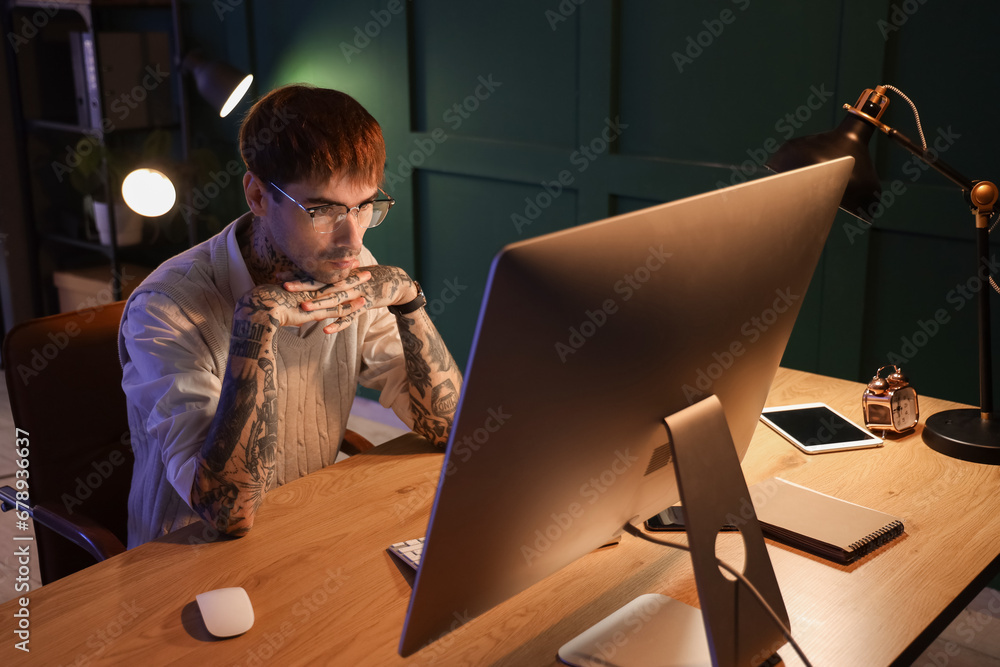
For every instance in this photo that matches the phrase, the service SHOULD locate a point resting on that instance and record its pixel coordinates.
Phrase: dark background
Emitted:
(698, 93)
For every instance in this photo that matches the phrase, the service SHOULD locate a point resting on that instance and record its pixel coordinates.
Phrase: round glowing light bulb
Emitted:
(148, 192)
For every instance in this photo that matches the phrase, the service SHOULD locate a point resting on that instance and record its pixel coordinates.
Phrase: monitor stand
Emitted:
(731, 628)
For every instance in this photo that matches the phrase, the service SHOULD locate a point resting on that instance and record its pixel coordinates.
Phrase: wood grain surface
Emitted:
(325, 591)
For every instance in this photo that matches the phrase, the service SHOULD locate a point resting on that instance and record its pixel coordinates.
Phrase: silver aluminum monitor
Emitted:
(587, 339)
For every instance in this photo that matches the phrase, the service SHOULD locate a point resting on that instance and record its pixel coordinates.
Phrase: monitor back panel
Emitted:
(587, 339)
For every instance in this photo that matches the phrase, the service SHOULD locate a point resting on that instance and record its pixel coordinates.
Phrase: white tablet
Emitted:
(816, 428)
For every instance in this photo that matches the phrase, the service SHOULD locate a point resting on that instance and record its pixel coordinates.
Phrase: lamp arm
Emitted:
(870, 112)
(929, 158)
(982, 196)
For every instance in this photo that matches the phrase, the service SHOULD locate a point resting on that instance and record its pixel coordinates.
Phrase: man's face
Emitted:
(327, 258)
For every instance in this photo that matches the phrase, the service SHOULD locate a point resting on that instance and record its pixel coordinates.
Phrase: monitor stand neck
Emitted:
(731, 628)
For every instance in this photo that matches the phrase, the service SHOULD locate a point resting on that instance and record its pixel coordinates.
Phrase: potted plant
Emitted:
(99, 192)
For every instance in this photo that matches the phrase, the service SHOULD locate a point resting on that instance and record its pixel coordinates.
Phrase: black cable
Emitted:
(636, 532)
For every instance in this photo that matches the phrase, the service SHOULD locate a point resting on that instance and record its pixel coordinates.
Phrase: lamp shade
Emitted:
(851, 137)
(221, 84)
(148, 192)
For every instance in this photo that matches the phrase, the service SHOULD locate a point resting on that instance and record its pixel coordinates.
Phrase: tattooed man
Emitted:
(241, 356)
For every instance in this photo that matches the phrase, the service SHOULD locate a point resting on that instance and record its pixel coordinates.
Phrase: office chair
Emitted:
(64, 379)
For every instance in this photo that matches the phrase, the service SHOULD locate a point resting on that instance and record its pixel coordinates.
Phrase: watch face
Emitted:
(904, 409)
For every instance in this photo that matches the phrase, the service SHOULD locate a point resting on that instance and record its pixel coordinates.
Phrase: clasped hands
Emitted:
(296, 302)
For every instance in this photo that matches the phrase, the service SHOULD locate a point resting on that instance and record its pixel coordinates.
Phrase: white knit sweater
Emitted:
(174, 344)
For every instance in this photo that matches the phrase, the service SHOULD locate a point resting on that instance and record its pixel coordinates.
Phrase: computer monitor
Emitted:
(587, 339)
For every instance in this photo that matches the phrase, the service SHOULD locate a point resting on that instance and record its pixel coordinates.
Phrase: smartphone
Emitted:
(672, 519)
(816, 428)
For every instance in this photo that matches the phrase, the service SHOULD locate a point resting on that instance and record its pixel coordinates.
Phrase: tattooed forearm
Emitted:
(428, 425)
(444, 398)
(417, 369)
(238, 400)
(214, 500)
(246, 339)
(439, 355)
(435, 381)
(261, 451)
(237, 462)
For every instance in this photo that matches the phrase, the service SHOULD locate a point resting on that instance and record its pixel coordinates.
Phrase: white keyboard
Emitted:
(409, 551)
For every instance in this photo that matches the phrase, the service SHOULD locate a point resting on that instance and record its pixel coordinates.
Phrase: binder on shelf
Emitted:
(88, 92)
(132, 90)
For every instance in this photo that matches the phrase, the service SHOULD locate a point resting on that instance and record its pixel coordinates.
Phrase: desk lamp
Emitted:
(971, 435)
(149, 192)
(221, 84)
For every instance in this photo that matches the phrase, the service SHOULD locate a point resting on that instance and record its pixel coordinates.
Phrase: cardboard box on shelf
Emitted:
(92, 286)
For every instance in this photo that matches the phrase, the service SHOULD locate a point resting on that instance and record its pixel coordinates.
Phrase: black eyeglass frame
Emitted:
(312, 210)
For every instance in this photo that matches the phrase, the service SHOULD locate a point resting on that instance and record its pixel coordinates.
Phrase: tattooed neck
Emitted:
(263, 259)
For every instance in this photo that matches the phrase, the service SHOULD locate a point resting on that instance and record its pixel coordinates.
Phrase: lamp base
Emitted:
(964, 434)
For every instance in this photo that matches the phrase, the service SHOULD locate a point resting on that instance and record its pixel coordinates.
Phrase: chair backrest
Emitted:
(64, 380)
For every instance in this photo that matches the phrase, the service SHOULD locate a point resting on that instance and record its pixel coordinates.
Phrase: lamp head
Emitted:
(851, 137)
(221, 84)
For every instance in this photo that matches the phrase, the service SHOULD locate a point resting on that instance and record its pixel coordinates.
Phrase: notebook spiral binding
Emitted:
(877, 539)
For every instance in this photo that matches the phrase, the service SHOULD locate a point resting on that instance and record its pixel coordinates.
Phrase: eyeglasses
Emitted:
(328, 217)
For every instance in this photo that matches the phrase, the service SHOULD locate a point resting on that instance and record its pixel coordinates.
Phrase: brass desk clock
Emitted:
(890, 403)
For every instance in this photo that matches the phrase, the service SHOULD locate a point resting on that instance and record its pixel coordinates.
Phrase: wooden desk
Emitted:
(325, 590)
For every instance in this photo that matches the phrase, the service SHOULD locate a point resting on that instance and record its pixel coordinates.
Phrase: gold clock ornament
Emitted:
(890, 403)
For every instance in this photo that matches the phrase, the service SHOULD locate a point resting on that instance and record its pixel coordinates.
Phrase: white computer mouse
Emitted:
(226, 611)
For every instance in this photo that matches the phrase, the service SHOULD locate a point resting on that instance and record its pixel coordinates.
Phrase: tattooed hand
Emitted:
(299, 302)
(366, 287)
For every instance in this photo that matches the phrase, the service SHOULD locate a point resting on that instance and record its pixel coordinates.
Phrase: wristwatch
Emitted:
(419, 302)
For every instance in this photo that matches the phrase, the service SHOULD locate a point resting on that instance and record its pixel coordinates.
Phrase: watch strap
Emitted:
(405, 309)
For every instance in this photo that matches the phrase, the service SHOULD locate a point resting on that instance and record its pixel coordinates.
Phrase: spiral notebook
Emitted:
(824, 525)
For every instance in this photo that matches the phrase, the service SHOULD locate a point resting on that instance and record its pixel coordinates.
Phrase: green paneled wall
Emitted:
(635, 102)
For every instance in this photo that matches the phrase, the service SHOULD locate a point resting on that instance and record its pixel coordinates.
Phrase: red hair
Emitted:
(303, 133)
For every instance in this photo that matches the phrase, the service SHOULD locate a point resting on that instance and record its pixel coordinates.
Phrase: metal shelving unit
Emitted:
(49, 113)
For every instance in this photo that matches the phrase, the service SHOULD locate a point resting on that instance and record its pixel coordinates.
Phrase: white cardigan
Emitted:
(173, 346)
